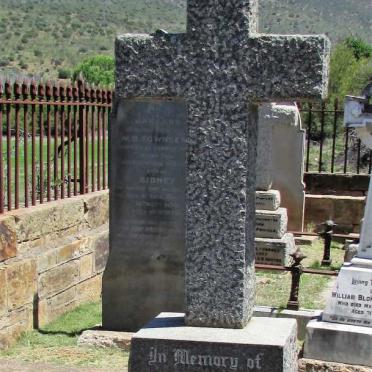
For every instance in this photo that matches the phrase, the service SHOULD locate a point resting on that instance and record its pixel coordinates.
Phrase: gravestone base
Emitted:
(167, 345)
(340, 343)
(275, 251)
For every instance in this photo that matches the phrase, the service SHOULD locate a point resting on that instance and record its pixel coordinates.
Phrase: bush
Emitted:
(64, 73)
(96, 70)
(4, 62)
(38, 53)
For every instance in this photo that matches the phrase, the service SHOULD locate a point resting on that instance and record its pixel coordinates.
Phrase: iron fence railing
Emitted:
(330, 147)
(53, 143)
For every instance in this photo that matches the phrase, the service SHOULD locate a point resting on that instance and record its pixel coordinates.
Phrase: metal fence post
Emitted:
(296, 272)
(327, 235)
(82, 158)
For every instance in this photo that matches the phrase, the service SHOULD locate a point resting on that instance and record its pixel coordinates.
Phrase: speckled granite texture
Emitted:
(221, 67)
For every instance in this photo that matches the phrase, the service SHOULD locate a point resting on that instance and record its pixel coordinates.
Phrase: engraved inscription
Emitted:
(182, 358)
(153, 151)
(351, 302)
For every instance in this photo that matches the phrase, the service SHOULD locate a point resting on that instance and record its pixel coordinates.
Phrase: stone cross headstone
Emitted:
(215, 73)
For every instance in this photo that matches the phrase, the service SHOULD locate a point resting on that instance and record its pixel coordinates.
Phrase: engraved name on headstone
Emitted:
(147, 210)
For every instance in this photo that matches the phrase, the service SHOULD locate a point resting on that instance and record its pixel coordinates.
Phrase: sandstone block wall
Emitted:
(52, 257)
(345, 211)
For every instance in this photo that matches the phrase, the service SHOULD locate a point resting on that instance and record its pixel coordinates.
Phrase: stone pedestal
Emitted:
(167, 345)
(273, 244)
(275, 251)
(339, 343)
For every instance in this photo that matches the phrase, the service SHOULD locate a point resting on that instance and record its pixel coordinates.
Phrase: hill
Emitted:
(42, 36)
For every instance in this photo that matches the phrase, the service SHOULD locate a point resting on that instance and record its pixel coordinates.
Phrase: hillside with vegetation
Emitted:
(46, 38)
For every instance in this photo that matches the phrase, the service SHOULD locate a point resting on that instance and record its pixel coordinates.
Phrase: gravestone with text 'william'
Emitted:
(346, 322)
(217, 71)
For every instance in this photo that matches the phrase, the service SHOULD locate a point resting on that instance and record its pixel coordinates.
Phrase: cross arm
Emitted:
(289, 67)
(148, 65)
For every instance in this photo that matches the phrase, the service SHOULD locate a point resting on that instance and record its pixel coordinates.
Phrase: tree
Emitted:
(350, 68)
(97, 70)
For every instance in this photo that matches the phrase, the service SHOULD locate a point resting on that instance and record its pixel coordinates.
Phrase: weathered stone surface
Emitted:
(3, 292)
(271, 224)
(100, 247)
(57, 256)
(311, 365)
(8, 238)
(97, 208)
(346, 211)
(303, 317)
(13, 324)
(36, 222)
(101, 338)
(340, 343)
(350, 250)
(90, 290)
(21, 283)
(288, 165)
(147, 228)
(268, 200)
(51, 308)
(86, 266)
(166, 344)
(275, 251)
(264, 165)
(58, 278)
(219, 67)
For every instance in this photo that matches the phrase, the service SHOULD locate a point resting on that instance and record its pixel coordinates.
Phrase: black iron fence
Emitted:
(330, 147)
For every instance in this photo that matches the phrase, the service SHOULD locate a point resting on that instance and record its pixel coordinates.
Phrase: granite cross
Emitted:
(221, 67)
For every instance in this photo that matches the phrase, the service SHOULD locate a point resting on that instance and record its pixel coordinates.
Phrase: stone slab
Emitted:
(351, 299)
(271, 224)
(101, 338)
(268, 200)
(275, 251)
(264, 165)
(147, 212)
(166, 344)
(340, 343)
(302, 316)
(306, 239)
(288, 165)
(313, 365)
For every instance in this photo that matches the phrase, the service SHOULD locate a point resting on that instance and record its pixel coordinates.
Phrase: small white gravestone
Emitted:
(350, 304)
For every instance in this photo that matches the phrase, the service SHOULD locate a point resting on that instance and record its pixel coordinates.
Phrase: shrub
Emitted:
(4, 62)
(64, 73)
(96, 70)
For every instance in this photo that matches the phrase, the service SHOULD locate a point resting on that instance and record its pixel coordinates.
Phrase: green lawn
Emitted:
(57, 343)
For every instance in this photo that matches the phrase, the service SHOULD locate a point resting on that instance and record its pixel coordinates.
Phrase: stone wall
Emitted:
(51, 260)
(345, 211)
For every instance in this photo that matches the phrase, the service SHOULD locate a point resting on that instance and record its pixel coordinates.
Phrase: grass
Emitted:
(57, 343)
